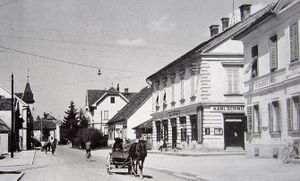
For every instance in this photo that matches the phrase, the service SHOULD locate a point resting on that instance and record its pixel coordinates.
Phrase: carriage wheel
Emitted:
(108, 165)
(285, 154)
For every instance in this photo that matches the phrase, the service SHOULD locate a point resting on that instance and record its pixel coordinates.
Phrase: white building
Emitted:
(272, 79)
(137, 111)
(4, 132)
(102, 105)
(197, 99)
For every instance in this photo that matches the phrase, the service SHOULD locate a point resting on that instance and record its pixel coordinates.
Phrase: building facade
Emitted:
(197, 99)
(272, 79)
(137, 111)
(102, 105)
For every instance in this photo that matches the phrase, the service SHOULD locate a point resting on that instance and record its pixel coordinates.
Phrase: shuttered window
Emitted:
(289, 114)
(293, 116)
(249, 119)
(254, 66)
(274, 117)
(273, 53)
(294, 44)
(270, 117)
(256, 119)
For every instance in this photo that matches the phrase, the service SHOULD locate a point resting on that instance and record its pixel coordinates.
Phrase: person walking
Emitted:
(53, 146)
(88, 150)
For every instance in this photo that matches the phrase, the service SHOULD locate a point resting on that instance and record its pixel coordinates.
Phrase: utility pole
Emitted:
(12, 131)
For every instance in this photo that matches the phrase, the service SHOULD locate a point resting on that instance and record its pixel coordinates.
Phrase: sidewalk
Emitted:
(9, 167)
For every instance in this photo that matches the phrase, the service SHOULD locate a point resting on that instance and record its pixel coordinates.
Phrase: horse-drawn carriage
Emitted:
(131, 158)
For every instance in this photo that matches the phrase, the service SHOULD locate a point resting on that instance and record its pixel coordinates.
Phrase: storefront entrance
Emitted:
(174, 132)
(234, 131)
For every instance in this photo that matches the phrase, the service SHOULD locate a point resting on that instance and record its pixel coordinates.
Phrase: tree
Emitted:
(83, 120)
(70, 123)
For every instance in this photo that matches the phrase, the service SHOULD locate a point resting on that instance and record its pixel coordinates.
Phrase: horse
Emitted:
(137, 155)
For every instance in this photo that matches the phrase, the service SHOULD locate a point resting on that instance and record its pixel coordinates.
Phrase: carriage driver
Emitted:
(118, 145)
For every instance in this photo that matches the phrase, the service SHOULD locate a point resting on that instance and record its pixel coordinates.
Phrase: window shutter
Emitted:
(278, 116)
(273, 53)
(294, 54)
(270, 117)
(249, 119)
(289, 114)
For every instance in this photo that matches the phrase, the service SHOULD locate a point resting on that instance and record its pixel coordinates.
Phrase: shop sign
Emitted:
(227, 108)
(174, 114)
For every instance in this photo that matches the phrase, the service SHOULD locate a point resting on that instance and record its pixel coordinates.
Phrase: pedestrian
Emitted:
(53, 146)
(88, 150)
(164, 145)
(46, 146)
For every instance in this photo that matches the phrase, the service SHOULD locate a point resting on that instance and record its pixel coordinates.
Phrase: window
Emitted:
(293, 108)
(254, 66)
(182, 85)
(158, 130)
(274, 116)
(294, 44)
(165, 126)
(233, 79)
(172, 78)
(157, 100)
(165, 97)
(194, 129)
(249, 119)
(106, 115)
(112, 100)
(183, 128)
(256, 120)
(193, 84)
(273, 53)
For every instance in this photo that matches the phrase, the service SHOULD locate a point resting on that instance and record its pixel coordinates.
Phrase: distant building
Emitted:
(137, 111)
(102, 105)
(4, 132)
(47, 122)
(272, 79)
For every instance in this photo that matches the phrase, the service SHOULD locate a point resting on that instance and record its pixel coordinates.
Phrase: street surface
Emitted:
(70, 165)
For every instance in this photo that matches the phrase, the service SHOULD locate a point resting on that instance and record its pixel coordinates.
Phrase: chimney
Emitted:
(126, 90)
(214, 30)
(245, 10)
(225, 23)
(118, 87)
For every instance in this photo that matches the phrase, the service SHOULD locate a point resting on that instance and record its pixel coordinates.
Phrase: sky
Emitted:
(128, 40)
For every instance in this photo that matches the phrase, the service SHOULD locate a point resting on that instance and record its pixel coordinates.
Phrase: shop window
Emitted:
(294, 42)
(293, 108)
(256, 119)
(233, 80)
(165, 131)
(194, 128)
(274, 117)
(254, 63)
(273, 53)
(183, 128)
(158, 131)
(112, 100)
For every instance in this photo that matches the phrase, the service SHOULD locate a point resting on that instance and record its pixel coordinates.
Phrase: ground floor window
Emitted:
(158, 130)
(274, 116)
(293, 108)
(256, 119)
(183, 128)
(194, 130)
(165, 131)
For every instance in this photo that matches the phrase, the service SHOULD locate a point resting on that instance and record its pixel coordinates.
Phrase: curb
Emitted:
(198, 155)
(21, 175)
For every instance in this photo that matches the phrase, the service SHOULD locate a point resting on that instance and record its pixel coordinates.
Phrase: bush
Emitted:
(89, 134)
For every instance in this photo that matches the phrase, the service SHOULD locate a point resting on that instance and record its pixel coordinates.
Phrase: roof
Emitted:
(46, 124)
(215, 41)
(94, 95)
(134, 104)
(144, 125)
(3, 127)
(5, 104)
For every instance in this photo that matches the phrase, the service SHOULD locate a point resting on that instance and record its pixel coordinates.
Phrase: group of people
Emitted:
(49, 144)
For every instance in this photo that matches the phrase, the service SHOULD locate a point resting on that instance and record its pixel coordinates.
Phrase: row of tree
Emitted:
(75, 128)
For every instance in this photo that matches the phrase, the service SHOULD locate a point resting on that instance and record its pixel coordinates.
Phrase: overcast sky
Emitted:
(128, 39)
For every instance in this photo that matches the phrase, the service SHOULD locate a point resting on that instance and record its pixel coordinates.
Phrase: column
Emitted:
(188, 131)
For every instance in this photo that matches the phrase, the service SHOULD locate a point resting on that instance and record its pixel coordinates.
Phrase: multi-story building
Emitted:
(197, 99)
(102, 105)
(272, 79)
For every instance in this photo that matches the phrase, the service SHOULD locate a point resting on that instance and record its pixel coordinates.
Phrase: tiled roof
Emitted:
(5, 104)
(221, 37)
(134, 104)
(3, 127)
(49, 124)
(95, 95)
(144, 125)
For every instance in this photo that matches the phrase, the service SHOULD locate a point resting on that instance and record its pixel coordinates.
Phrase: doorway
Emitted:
(174, 132)
(234, 131)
